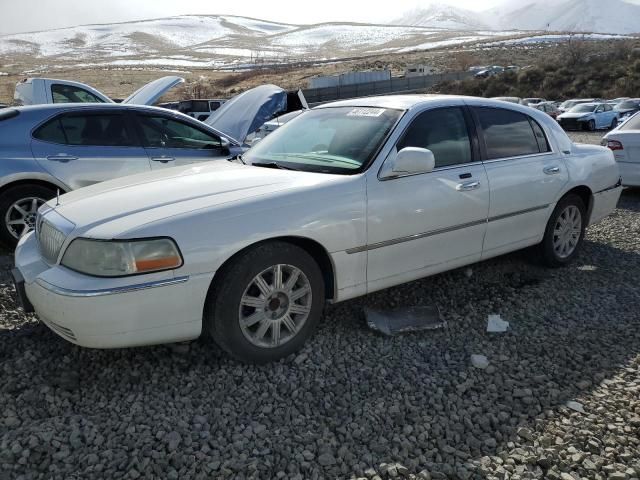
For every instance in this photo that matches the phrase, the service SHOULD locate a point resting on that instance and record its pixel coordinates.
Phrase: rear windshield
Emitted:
(632, 124)
(583, 108)
(7, 113)
(627, 105)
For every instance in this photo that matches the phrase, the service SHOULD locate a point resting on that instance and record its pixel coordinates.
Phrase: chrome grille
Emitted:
(50, 240)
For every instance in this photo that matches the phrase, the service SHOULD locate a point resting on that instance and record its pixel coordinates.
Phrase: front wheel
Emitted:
(565, 232)
(266, 304)
(591, 126)
(18, 209)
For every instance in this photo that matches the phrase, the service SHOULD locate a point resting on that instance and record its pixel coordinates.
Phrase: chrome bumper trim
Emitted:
(110, 291)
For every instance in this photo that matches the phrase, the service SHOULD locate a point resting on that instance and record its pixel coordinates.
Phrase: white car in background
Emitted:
(624, 141)
(344, 200)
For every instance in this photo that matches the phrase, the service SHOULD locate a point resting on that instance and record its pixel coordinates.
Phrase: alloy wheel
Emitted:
(21, 216)
(275, 306)
(567, 231)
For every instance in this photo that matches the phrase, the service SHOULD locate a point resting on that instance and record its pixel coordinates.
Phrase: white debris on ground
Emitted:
(479, 361)
(495, 324)
(575, 406)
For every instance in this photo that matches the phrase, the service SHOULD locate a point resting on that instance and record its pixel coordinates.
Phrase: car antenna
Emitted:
(57, 197)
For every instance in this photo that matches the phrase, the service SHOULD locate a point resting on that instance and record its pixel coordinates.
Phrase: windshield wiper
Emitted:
(272, 165)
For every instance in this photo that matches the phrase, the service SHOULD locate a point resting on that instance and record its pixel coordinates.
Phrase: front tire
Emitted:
(591, 126)
(564, 233)
(18, 209)
(266, 303)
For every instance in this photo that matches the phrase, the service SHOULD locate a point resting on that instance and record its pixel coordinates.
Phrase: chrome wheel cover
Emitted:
(21, 216)
(275, 306)
(567, 231)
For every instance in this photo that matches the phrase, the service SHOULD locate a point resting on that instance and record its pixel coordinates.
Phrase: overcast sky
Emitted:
(30, 15)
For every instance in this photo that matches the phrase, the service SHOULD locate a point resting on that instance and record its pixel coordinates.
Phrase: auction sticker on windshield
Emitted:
(365, 112)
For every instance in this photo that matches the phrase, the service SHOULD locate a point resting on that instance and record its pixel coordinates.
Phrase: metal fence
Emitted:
(384, 87)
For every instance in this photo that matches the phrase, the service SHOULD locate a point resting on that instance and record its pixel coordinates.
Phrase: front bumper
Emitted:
(112, 312)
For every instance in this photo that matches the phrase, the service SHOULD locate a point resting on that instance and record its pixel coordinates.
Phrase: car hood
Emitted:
(151, 92)
(575, 115)
(111, 208)
(245, 113)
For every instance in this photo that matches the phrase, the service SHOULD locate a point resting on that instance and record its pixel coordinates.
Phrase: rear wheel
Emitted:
(614, 124)
(565, 232)
(18, 209)
(266, 304)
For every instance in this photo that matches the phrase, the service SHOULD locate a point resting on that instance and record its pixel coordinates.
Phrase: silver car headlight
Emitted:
(117, 258)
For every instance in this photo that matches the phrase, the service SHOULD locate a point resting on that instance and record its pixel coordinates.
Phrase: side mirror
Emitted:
(410, 161)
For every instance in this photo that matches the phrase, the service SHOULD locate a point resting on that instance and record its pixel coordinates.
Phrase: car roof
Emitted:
(83, 106)
(406, 102)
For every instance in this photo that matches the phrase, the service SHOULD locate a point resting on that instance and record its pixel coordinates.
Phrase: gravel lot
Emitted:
(353, 403)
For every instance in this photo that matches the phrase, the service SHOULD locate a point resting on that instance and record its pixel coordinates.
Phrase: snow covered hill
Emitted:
(610, 16)
(218, 41)
(597, 16)
(442, 16)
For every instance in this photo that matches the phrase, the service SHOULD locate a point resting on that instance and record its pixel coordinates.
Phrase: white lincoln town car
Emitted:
(346, 199)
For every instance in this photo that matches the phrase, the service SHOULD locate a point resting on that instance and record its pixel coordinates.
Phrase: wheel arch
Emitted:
(312, 247)
(43, 182)
(585, 194)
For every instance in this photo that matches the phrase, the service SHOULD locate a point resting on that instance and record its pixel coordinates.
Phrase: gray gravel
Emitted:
(354, 404)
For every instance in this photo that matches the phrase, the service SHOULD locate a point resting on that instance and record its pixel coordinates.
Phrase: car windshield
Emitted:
(627, 105)
(328, 140)
(583, 108)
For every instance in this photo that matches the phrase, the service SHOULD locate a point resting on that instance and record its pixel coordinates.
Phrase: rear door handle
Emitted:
(551, 170)
(61, 157)
(163, 159)
(466, 186)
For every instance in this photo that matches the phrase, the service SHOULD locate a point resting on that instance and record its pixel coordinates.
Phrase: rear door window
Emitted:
(508, 133)
(107, 130)
(443, 131)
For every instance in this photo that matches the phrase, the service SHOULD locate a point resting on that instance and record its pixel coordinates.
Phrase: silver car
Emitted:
(50, 149)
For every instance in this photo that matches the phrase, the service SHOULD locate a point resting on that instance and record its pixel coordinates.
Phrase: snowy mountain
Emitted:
(612, 16)
(442, 16)
(599, 16)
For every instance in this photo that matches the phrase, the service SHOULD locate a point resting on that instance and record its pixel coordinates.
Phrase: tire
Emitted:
(23, 196)
(591, 126)
(614, 124)
(552, 247)
(266, 310)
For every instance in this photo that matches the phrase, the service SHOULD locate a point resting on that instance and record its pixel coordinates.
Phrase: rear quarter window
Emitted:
(632, 124)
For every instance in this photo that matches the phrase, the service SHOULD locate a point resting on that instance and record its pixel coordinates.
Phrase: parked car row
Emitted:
(343, 200)
(583, 113)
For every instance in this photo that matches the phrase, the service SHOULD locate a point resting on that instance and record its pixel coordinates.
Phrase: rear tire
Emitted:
(564, 233)
(614, 124)
(18, 208)
(266, 303)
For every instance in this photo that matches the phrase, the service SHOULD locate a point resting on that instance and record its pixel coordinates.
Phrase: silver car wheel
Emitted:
(21, 216)
(567, 231)
(275, 306)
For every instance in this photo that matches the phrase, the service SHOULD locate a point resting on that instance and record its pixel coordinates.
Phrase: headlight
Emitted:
(122, 257)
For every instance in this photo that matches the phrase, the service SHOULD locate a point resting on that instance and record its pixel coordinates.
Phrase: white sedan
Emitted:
(348, 198)
(624, 141)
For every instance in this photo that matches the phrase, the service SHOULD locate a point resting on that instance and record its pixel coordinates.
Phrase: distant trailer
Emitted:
(351, 78)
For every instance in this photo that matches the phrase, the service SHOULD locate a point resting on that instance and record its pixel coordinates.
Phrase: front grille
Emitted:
(50, 240)
(570, 123)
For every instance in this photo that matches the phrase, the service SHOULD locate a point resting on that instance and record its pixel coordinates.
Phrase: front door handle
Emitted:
(551, 170)
(466, 186)
(61, 157)
(163, 159)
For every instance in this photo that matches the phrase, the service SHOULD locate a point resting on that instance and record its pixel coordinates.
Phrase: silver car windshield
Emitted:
(339, 140)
